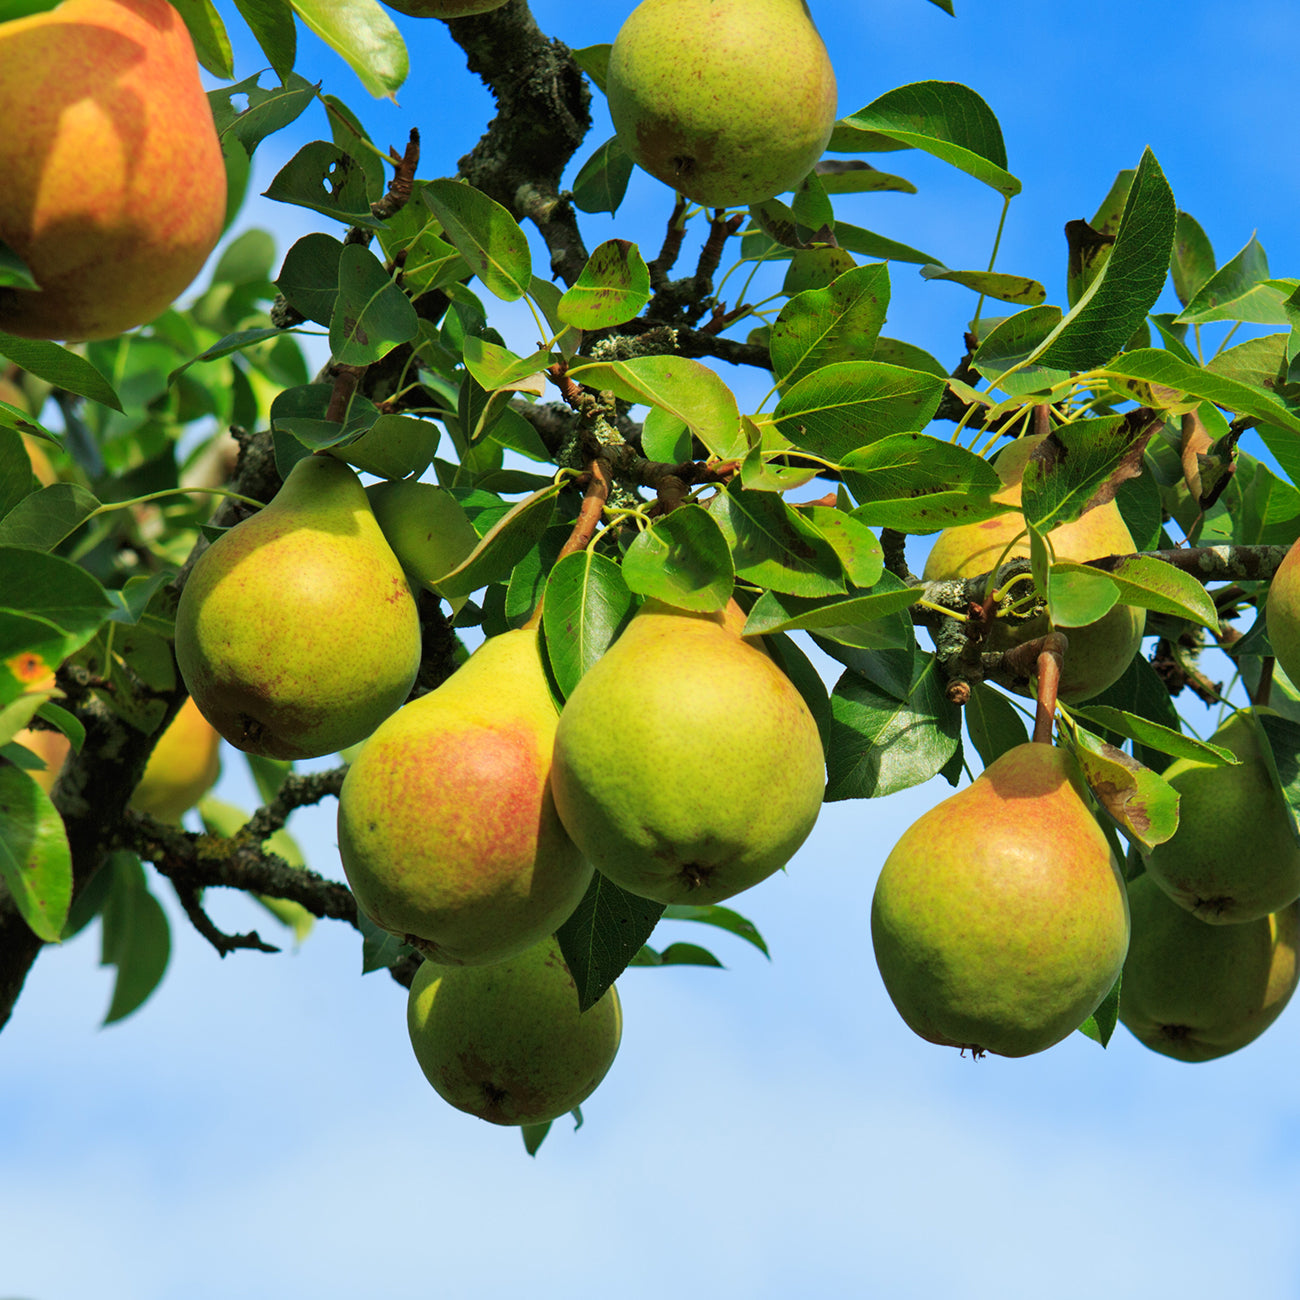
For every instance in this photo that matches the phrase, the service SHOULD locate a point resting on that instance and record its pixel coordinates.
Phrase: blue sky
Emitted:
(260, 1129)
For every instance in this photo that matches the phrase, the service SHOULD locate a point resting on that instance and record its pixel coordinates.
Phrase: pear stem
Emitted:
(1051, 657)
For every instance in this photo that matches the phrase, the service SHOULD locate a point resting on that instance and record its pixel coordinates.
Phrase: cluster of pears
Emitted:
(730, 102)
(1100, 652)
(115, 188)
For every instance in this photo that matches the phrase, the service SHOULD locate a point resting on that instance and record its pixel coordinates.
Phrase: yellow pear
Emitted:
(447, 829)
(506, 1042)
(728, 101)
(1282, 613)
(687, 766)
(1100, 652)
(114, 186)
(52, 746)
(183, 767)
(1234, 856)
(1195, 991)
(1000, 919)
(296, 632)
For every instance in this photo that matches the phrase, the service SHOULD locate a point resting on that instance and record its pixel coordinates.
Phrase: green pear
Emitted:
(1234, 856)
(507, 1042)
(114, 186)
(1195, 991)
(1282, 613)
(447, 828)
(444, 8)
(425, 525)
(1100, 652)
(728, 101)
(687, 766)
(1000, 919)
(296, 632)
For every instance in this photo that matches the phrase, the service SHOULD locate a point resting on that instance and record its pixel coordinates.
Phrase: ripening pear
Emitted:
(1000, 919)
(51, 746)
(444, 8)
(1282, 613)
(183, 767)
(1195, 991)
(507, 1042)
(728, 101)
(687, 766)
(1234, 856)
(114, 185)
(1099, 653)
(297, 633)
(447, 828)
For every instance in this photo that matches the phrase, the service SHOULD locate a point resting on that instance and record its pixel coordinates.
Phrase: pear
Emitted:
(447, 829)
(1100, 652)
(1195, 991)
(1000, 919)
(51, 746)
(296, 632)
(1282, 613)
(1234, 856)
(728, 101)
(506, 1042)
(114, 185)
(687, 766)
(183, 767)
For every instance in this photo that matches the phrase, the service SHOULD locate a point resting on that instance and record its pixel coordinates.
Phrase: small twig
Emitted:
(894, 544)
(399, 188)
(346, 381)
(589, 513)
(297, 791)
(672, 246)
(202, 922)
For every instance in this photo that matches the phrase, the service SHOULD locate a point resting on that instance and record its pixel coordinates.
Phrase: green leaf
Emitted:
(394, 447)
(1008, 346)
(1115, 304)
(1236, 292)
(587, 604)
(612, 288)
(857, 547)
(14, 272)
(992, 284)
(504, 544)
(838, 323)
(1142, 804)
(1076, 598)
(269, 110)
(271, 22)
(684, 388)
(682, 560)
(919, 484)
(534, 1135)
(62, 368)
(326, 179)
(1152, 584)
(774, 546)
(993, 723)
(309, 278)
(372, 315)
(208, 32)
(862, 619)
(379, 949)
(1140, 691)
(594, 61)
(605, 932)
(602, 180)
(816, 268)
(947, 120)
(364, 36)
(665, 437)
(676, 954)
(1154, 735)
(722, 917)
(1101, 1024)
(35, 861)
(880, 744)
(43, 519)
(1193, 261)
(847, 404)
(486, 235)
(135, 938)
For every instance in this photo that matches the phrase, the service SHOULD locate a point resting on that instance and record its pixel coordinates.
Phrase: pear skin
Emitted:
(1197, 992)
(687, 766)
(183, 767)
(447, 828)
(1282, 613)
(1000, 919)
(296, 632)
(1100, 652)
(52, 746)
(1234, 856)
(730, 102)
(114, 185)
(506, 1042)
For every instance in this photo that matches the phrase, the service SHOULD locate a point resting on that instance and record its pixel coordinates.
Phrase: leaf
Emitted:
(271, 22)
(684, 560)
(1112, 307)
(862, 619)
(62, 368)
(364, 36)
(135, 938)
(1152, 584)
(1140, 691)
(485, 234)
(372, 315)
(945, 119)
(612, 288)
(602, 180)
(43, 519)
(605, 932)
(848, 404)
(722, 917)
(326, 179)
(208, 32)
(379, 949)
(665, 437)
(1101, 1024)
(587, 604)
(1236, 291)
(1154, 735)
(594, 61)
(684, 388)
(309, 278)
(919, 484)
(856, 546)
(269, 110)
(534, 1135)
(1193, 261)
(880, 744)
(993, 723)
(992, 284)
(1143, 804)
(775, 546)
(504, 544)
(1008, 346)
(35, 861)
(677, 954)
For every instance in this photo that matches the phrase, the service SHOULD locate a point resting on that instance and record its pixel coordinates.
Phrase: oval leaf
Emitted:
(612, 287)
(35, 861)
(587, 603)
(486, 236)
(683, 560)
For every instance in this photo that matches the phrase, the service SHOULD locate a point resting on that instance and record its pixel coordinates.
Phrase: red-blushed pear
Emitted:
(1195, 991)
(1000, 919)
(1282, 613)
(730, 102)
(506, 1042)
(447, 828)
(114, 186)
(1234, 856)
(296, 632)
(444, 8)
(687, 766)
(1100, 652)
